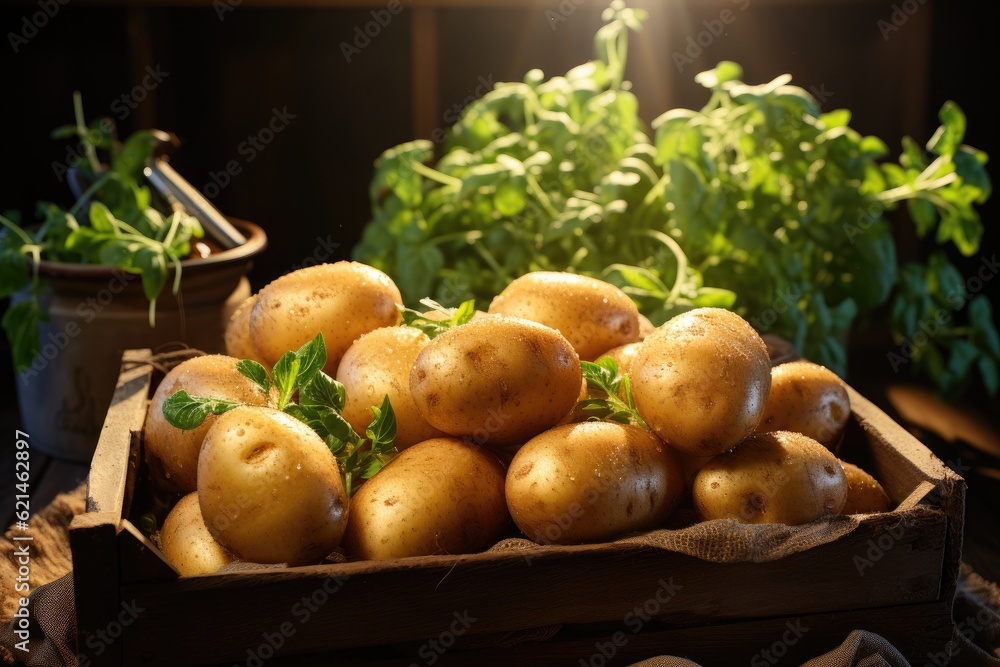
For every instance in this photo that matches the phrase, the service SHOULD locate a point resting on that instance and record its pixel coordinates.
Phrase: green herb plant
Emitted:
(320, 404)
(450, 317)
(757, 202)
(609, 395)
(114, 223)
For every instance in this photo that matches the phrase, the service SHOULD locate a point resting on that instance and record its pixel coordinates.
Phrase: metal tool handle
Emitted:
(168, 182)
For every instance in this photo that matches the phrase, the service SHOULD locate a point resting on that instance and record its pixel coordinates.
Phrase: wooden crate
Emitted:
(132, 609)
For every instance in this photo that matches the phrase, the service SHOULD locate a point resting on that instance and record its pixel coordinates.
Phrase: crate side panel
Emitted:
(899, 563)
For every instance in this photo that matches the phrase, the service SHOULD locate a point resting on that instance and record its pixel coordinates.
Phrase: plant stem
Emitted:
(16, 230)
(435, 175)
(85, 197)
(679, 257)
(81, 126)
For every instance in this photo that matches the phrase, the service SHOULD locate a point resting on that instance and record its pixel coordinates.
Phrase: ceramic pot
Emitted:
(95, 314)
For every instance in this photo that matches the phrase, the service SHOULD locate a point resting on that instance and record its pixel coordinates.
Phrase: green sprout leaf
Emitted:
(256, 372)
(21, 321)
(449, 317)
(609, 395)
(187, 412)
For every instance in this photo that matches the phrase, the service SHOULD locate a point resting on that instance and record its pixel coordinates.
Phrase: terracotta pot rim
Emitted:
(256, 244)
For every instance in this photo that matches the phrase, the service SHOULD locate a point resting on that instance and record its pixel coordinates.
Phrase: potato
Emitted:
(691, 465)
(186, 542)
(591, 482)
(808, 399)
(645, 327)
(269, 488)
(440, 496)
(174, 450)
(593, 315)
(778, 477)
(499, 380)
(379, 365)
(864, 494)
(343, 301)
(623, 355)
(701, 380)
(238, 341)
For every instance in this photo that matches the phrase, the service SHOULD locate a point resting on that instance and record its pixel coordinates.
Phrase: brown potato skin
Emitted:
(777, 477)
(238, 341)
(269, 489)
(174, 450)
(592, 482)
(809, 399)
(343, 301)
(379, 365)
(864, 493)
(498, 380)
(186, 542)
(593, 315)
(701, 380)
(440, 496)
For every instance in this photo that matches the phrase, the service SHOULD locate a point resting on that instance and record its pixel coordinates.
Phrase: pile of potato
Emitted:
(486, 431)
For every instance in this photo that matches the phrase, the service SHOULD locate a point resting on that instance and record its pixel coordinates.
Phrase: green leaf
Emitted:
(644, 279)
(338, 427)
(970, 165)
(984, 326)
(187, 412)
(724, 72)
(312, 359)
(963, 355)
(14, 269)
(382, 428)
(509, 198)
(924, 215)
(130, 161)
(464, 313)
(256, 372)
(948, 137)
(714, 297)
(65, 132)
(372, 467)
(285, 375)
(101, 219)
(323, 390)
(435, 327)
(152, 265)
(21, 322)
(418, 265)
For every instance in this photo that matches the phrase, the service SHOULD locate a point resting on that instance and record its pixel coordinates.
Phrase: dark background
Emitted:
(225, 77)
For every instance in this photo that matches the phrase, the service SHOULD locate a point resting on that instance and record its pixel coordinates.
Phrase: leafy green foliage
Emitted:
(320, 403)
(757, 202)
(609, 395)
(124, 230)
(187, 412)
(451, 317)
(943, 331)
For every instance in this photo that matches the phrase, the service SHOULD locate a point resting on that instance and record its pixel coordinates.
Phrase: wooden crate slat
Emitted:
(109, 467)
(505, 591)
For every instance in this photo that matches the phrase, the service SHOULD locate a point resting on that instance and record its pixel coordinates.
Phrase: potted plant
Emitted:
(121, 268)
